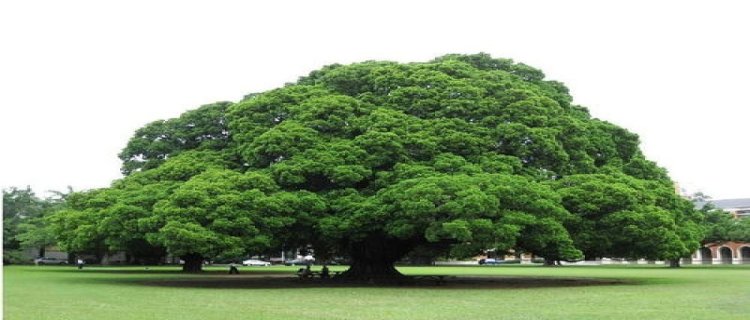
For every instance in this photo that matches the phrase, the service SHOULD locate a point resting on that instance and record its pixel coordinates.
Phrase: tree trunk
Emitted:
(373, 260)
(372, 271)
(675, 263)
(99, 256)
(193, 263)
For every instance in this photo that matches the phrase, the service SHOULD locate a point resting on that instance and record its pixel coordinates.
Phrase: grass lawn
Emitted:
(644, 292)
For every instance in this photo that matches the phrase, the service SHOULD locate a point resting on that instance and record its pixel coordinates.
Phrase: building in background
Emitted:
(739, 208)
(726, 252)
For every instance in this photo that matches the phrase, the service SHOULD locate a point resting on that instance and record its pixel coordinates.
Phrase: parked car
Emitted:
(44, 260)
(298, 262)
(294, 262)
(256, 262)
(493, 261)
(336, 261)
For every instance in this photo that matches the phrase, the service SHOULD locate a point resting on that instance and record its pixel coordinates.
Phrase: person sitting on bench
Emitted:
(233, 269)
(307, 273)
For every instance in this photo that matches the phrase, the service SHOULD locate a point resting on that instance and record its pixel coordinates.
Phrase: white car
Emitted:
(50, 261)
(255, 262)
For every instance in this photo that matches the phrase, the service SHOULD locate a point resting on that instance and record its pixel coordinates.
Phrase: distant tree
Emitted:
(700, 197)
(37, 232)
(720, 226)
(25, 222)
(18, 205)
(741, 231)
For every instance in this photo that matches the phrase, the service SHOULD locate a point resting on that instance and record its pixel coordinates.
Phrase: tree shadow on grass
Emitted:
(153, 271)
(287, 281)
(107, 271)
(258, 278)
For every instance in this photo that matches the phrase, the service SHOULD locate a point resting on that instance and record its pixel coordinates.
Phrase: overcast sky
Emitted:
(77, 78)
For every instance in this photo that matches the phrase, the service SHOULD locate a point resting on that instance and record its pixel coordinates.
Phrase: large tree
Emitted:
(373, 160)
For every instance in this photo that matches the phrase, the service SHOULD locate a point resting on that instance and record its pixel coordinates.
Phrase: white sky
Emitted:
(77, 78)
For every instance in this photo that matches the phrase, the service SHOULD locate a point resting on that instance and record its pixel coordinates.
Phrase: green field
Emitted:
(514, 292)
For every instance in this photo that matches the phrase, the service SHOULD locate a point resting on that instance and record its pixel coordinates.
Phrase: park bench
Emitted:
(438, 279)
(318, 274)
